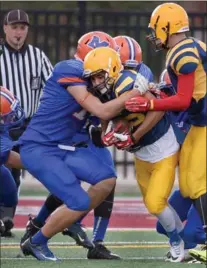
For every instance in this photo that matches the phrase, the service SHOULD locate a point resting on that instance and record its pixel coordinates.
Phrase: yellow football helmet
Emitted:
(167, 19)
(105, 61)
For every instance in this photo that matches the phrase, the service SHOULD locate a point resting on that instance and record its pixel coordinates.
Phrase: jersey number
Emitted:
(135, 119)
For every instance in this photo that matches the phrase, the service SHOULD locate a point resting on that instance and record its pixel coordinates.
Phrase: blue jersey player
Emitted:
(11, 115)
(131, 56)
(48, 142)
(102, 213)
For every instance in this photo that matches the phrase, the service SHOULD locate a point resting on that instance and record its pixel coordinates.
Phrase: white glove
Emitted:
(141, 84)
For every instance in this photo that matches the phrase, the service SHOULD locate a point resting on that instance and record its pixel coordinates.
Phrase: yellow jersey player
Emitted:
(186, 63)
(149, 136)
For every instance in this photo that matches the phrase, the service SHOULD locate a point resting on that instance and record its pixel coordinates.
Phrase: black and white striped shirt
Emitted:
(24, 73)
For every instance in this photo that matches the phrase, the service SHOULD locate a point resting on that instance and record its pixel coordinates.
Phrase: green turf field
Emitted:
(139, 249)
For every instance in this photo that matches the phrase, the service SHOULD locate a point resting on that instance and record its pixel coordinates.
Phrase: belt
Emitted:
(73, 146)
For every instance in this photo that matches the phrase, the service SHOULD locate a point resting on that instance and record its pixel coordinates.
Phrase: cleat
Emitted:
(177, 251)
(187, 257)
(7, 234)
(199, 255)
(40, 252)
(7, 226)
(8, 223)
(32, 228)
(77, 232)
(101, 252)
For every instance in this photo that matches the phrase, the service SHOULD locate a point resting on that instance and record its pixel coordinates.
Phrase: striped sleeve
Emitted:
(69, 73)
(47, 68)
(185, 61)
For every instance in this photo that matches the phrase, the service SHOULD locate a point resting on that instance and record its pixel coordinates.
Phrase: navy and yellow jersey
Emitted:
(124, 83)
(186, 57)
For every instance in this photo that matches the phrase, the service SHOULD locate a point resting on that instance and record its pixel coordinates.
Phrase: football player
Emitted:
(192, 232)
(11, 115)
(102, 213)
(186, 64)
(131, 56)
(65, 105)
(151, 139)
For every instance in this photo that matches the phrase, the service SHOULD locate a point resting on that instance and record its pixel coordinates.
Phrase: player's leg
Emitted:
(60, 180)
(193, 170)
(102, 213)
(75, 231)
(102, 216)
(158, 191)
(181, 205)
(8, 199)
(35, 223)
(193, 175)
(193, 231)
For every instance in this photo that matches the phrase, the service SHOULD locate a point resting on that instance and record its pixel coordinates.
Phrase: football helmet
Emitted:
(165, 84)
(11, 114)
(167, 19)
(106, 61)
(92, 40)
(130, 51)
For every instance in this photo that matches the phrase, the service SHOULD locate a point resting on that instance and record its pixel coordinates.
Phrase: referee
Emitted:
(23, 70)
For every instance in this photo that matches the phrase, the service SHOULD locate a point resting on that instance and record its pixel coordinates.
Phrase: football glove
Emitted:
(141, 84)
(138, 104)
(124, 141)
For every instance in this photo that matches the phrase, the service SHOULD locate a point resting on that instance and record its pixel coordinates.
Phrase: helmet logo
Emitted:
(96, 42)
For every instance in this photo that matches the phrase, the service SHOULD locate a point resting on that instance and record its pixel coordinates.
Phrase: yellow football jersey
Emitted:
(188, 56)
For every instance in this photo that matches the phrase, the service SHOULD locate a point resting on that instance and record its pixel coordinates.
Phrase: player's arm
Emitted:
(184, 66)
(151, 119)
(104, 111)
(180, 101)
(14, 161)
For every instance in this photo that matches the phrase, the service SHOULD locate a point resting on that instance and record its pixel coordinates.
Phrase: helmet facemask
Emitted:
(157, 43)
(14, 118)
(102, 90)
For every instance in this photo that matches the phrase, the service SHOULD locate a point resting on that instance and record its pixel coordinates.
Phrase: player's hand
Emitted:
(109, 139)
(138, 104)
(95, 135)
(141, 84)
(125, 141)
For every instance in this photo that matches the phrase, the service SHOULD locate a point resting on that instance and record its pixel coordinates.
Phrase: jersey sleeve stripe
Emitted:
(187, 68)
(70, 80)
(184, 58)
(124, 86)
(172, 53)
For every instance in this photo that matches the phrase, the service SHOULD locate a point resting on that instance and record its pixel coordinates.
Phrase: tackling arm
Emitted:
(104, 111)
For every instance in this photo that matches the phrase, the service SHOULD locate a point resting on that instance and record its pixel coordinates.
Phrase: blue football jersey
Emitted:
(144, 70)
(6, 145)
(59, 116)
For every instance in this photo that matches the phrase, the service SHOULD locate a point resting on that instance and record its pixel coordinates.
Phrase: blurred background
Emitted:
(57, 25)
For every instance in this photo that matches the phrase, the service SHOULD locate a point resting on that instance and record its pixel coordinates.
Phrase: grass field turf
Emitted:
(137, 248)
